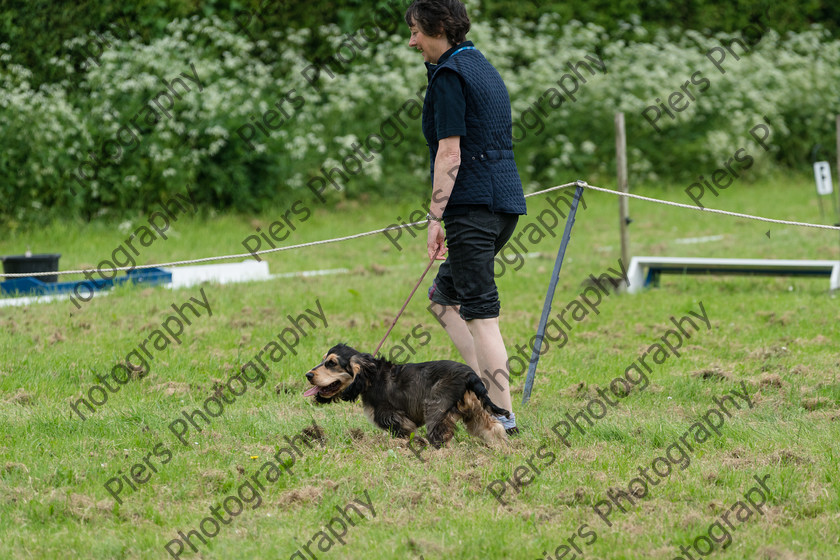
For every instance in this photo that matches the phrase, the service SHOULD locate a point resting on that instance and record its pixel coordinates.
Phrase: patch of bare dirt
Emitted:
(284, 388)
(356, 434)
(84, 508)
(786, 457)
(172, 388)
(712, 374)
(815, 403)
(774, 553)
(302, 495)
(11, 466)
(800, 370)
(21, 397)
(213, 479)
(430, 547)
(771, 380)
(737, 458)
(765, 353)
(134, 372)
(771, 318)
(577, 390)
(316, 433)
(56, 337)
(579, 496)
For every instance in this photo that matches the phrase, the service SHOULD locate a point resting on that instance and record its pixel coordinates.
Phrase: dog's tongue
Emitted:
(312, 391)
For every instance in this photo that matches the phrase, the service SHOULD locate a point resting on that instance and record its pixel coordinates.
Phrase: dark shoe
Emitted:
(512, 431)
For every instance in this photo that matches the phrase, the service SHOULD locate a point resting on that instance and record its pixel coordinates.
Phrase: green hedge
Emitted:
(793, 79)
(38, 29)
(705, 15)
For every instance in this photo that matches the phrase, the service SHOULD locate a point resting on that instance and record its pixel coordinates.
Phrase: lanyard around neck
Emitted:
(462, 49)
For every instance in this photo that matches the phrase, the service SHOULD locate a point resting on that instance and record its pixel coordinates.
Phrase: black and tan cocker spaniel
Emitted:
(402, 397)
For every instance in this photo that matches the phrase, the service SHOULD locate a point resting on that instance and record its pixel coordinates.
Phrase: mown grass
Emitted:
(779, 336)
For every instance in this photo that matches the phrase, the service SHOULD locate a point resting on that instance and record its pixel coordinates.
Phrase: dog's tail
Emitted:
(475, 385)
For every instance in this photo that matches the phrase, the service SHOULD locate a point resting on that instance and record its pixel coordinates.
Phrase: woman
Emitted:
(476, 190)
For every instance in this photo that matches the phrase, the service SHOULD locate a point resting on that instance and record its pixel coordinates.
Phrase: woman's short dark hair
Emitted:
(440, 16)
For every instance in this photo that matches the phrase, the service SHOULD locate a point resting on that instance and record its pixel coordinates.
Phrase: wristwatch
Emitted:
(430, 217)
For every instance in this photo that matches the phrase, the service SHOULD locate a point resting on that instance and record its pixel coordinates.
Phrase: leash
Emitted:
(411, 295)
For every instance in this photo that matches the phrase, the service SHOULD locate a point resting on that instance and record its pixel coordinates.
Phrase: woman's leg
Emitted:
(456, 328)
(467, 277)
(492, 359)
(481, 345)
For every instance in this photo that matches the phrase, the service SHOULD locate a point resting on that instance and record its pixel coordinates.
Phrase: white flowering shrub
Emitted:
(257, 127)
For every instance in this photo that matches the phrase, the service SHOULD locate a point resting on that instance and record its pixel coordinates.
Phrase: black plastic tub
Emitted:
(21, 264)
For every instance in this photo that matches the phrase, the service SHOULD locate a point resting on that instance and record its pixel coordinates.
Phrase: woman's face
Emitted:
(431, 47)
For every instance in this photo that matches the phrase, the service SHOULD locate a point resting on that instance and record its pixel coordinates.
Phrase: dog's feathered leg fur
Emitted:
(395, 428)
(479, 423)
(440, 425)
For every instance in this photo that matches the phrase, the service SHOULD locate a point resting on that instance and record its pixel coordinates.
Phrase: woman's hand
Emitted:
(435, 243)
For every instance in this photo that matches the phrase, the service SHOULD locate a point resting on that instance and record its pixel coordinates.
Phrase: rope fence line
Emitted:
(413, 224)
(712, 210)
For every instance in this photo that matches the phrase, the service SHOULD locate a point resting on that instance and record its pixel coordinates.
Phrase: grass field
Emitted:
(777, 338)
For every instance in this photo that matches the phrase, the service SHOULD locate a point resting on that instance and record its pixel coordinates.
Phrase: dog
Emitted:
(401, 398)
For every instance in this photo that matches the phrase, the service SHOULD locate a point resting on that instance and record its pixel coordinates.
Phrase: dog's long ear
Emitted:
(361, 364)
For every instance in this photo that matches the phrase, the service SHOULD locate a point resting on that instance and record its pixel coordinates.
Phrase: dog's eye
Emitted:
(331, 363)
